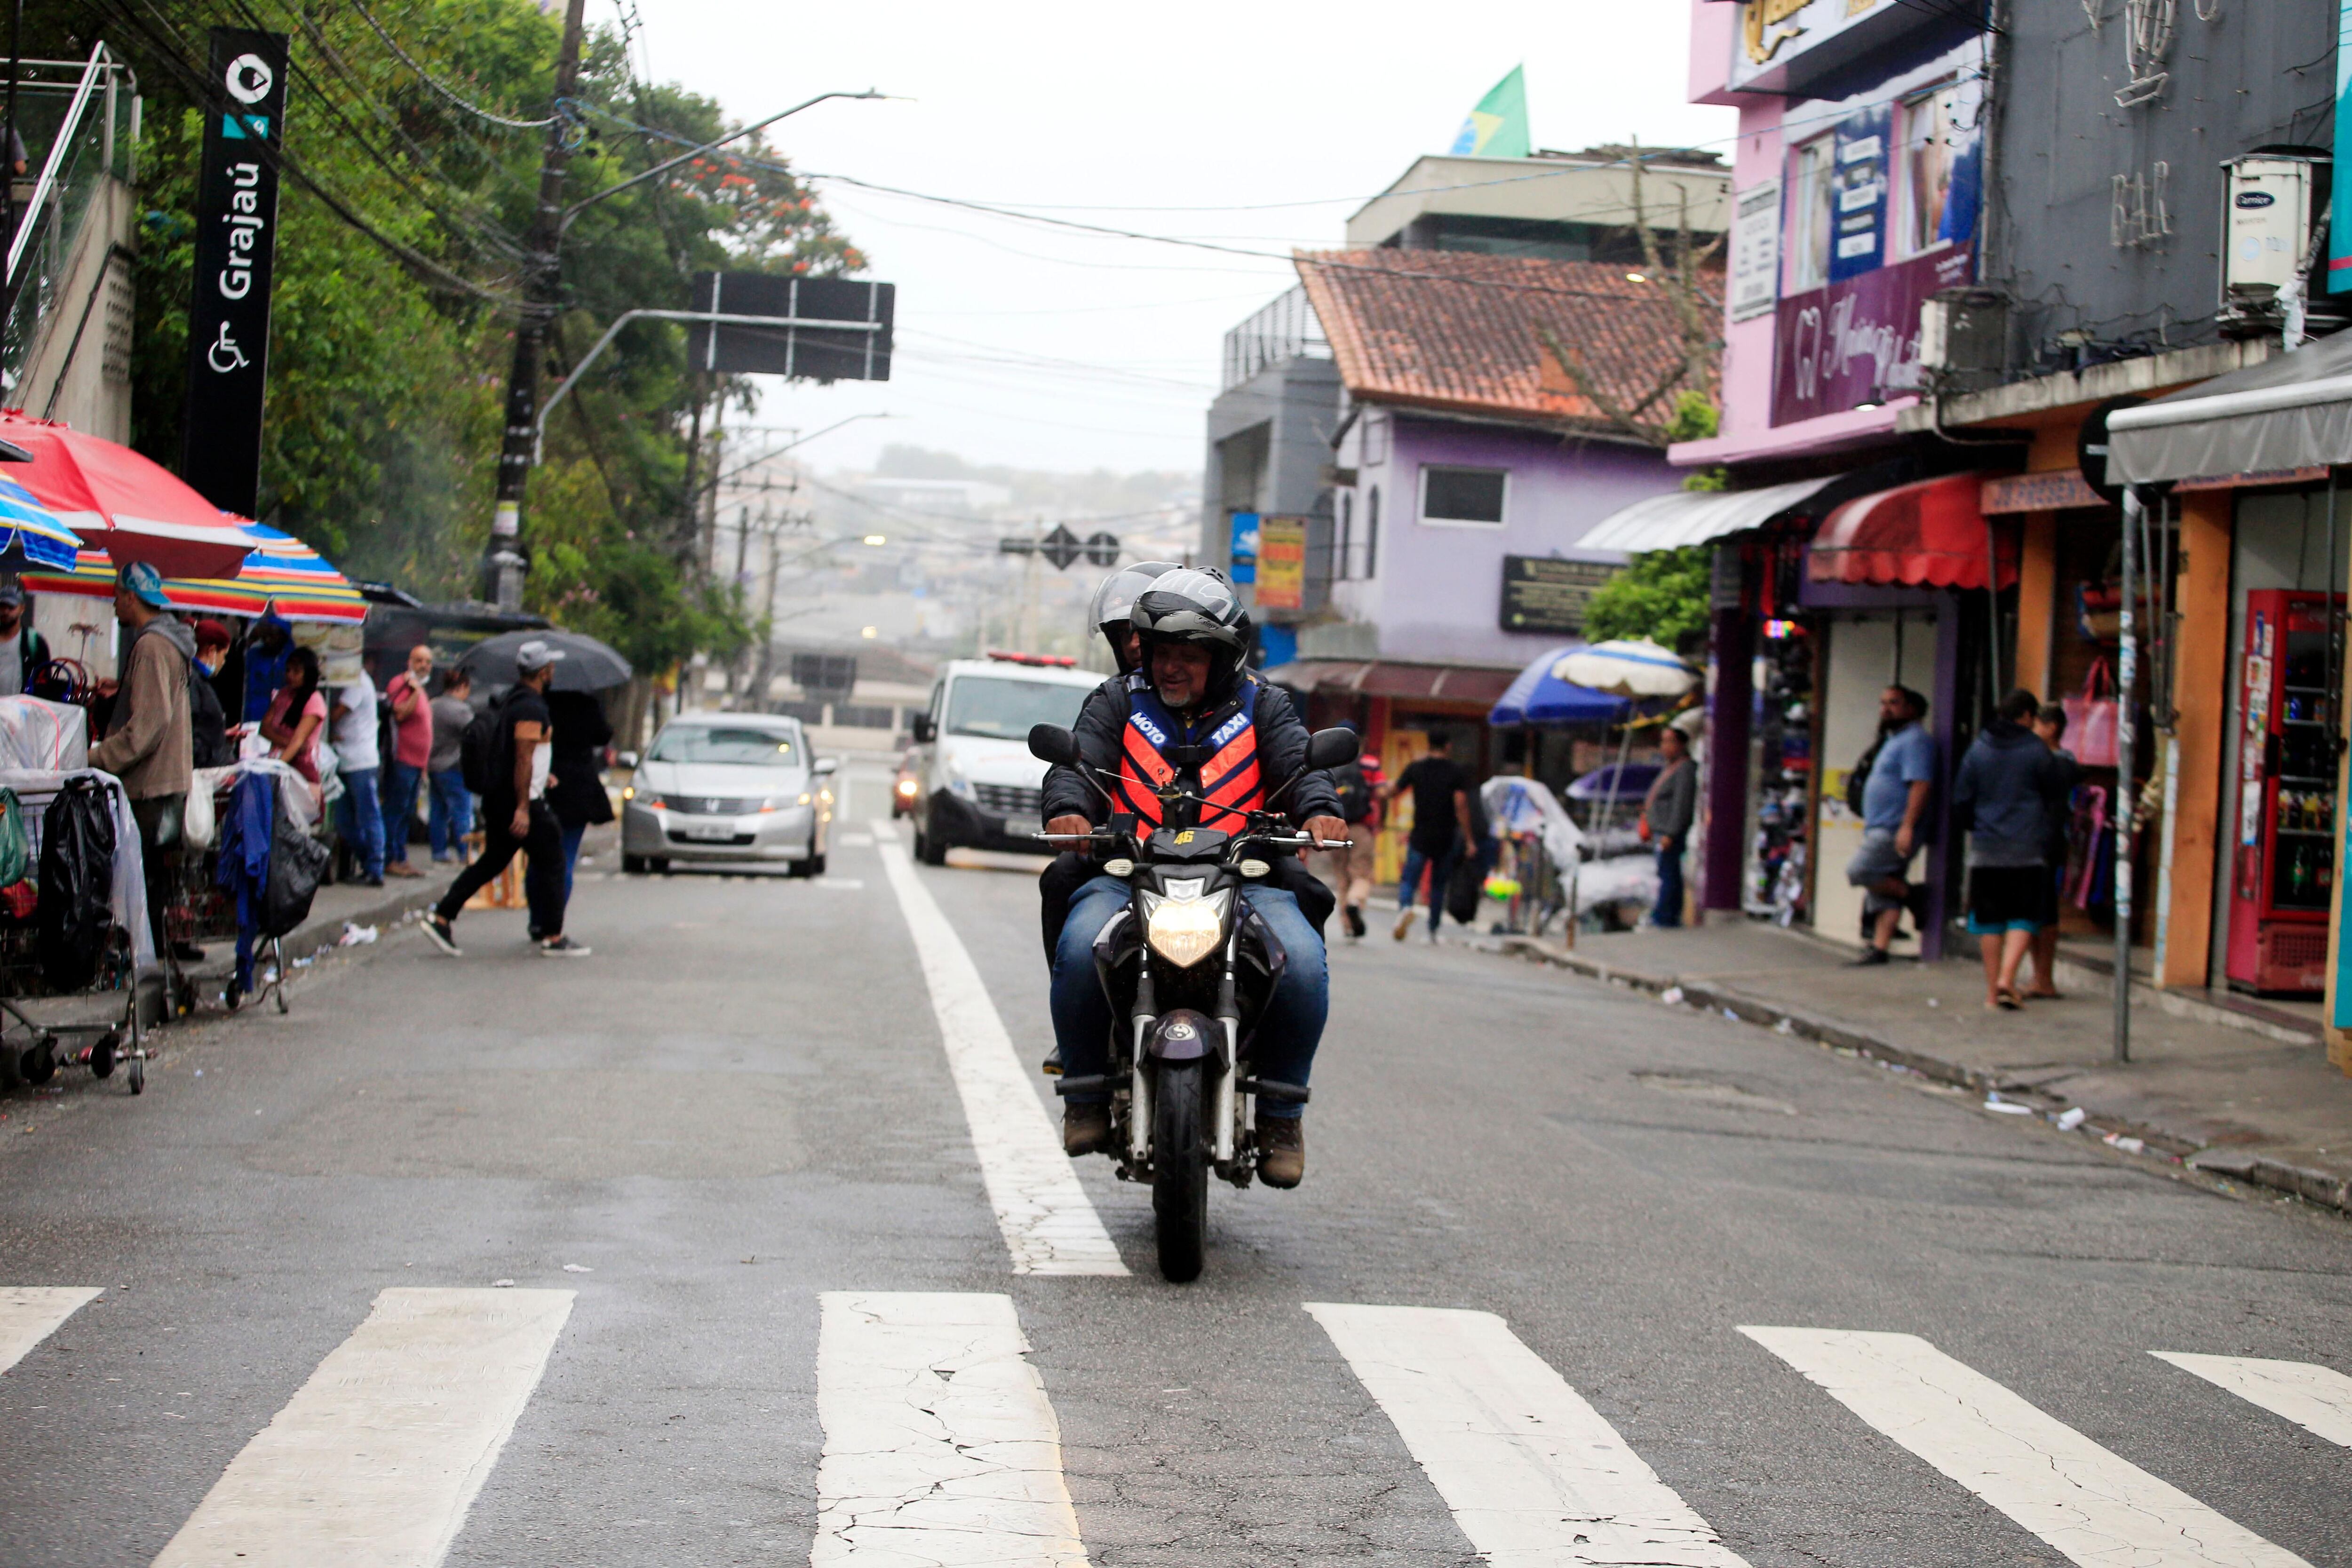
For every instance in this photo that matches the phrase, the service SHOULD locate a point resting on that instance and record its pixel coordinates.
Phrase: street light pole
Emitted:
(504, 561)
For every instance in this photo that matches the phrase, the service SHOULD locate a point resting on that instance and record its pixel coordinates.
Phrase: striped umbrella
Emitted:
(30, 532)
(282, 574)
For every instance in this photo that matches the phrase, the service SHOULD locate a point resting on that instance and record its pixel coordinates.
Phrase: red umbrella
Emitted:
(121, 502)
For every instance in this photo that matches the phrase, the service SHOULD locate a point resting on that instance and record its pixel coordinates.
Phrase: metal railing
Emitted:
(80, 123)
(1286, 328)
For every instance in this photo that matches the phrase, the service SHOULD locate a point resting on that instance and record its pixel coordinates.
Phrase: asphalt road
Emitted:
(734, 1138)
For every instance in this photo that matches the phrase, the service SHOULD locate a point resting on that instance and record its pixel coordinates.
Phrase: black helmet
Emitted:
(1115, 600)
(1197, 605)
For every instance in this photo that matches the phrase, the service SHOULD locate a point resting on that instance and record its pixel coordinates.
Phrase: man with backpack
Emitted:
(1899, 774)
(1363, 789)
(505, 753)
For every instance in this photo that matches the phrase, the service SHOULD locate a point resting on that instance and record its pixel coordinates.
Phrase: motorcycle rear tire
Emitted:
(1180, 1169)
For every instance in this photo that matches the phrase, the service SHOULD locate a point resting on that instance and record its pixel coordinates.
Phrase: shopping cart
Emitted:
(101, 1032)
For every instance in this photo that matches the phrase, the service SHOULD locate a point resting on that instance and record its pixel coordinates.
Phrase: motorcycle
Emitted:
(1187, 967)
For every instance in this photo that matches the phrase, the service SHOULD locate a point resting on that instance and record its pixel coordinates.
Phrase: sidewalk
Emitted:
(2260, 1105)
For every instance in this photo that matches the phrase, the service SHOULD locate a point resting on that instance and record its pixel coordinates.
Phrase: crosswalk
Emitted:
(941, 1447)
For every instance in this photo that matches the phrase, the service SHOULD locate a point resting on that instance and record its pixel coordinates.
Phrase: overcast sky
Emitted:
(1261, 126)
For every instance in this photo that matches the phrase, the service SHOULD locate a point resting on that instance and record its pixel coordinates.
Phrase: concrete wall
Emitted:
(1437, 591)
(1550, 190)
(79, 367)
(1269, 442)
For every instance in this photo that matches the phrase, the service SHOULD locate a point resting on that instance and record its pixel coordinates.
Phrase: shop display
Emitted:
(1774, 885)
(2283, 861)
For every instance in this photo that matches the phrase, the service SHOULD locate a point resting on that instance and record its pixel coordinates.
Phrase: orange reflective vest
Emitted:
(1156, 750)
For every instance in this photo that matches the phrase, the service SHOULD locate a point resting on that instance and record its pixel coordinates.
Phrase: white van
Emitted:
(977, 787)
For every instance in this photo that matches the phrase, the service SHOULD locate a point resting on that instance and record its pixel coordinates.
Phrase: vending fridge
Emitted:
(2284, 870)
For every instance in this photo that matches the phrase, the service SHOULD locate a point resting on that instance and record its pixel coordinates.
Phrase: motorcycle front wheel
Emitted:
(1180, 1169)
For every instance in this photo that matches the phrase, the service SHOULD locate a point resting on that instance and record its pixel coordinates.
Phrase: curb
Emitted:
(2313, 1187)
(312, 937)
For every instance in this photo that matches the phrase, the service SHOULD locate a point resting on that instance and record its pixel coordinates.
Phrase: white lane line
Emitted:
(1535, 1476)
(2319, 1398)
(31, 1313)
(941, 1447)
(2099, 1508)
(374, 1461)
(1049, 1226)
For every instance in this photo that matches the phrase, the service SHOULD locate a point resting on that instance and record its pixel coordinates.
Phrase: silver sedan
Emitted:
(728, 787)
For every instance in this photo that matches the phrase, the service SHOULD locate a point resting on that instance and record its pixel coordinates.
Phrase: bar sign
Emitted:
(237, 227)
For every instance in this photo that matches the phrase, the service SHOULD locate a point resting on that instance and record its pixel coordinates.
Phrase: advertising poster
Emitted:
(1282, 563)
(1244, 553)
(1756, 250)
(1858, 193)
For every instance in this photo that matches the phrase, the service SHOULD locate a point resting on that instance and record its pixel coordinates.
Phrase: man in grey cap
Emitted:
(22, 650)
(515, 812)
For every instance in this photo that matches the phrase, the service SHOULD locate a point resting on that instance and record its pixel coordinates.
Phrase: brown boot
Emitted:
(1281, 1150)
(1086, 1129)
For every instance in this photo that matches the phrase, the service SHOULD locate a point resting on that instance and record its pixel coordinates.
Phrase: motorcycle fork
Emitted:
(1226, 1112)
(1138, 1106)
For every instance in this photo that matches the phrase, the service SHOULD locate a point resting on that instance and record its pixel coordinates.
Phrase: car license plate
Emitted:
(721, 831)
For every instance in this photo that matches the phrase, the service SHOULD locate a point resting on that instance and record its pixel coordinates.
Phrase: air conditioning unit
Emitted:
(2267, 219)
(1964, 330)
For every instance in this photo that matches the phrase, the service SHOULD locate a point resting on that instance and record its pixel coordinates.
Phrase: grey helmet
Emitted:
(1114, 602)
(1197, 605)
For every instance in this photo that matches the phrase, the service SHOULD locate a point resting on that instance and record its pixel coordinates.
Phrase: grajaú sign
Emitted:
(228, 311)
(1856, 341)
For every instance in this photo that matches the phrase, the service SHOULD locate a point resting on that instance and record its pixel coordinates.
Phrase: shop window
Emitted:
(1813, 179)
(1929, 151)
(1455, 495)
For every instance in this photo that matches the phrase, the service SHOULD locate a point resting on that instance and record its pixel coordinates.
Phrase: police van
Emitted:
(976, 786)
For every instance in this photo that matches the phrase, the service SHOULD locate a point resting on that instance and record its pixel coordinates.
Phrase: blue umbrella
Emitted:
(30, 532)
(1536, 696)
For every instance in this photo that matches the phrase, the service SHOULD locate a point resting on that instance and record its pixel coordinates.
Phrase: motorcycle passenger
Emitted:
(1196, 709)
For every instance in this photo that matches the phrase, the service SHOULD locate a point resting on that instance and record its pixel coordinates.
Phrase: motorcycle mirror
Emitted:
(1325, 748)
(1051, 743)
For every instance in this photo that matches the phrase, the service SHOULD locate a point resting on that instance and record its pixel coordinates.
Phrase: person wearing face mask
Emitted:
(207, 723)
(16, 637)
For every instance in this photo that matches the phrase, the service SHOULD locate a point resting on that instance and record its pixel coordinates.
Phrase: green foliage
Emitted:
(386, 382)
(1662, 595)
(1697, 420)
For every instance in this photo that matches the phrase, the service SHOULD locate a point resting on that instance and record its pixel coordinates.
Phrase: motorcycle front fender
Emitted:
(1181, 1036)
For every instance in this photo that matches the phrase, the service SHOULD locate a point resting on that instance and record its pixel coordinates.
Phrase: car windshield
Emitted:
(1006, 709)
(710, 743)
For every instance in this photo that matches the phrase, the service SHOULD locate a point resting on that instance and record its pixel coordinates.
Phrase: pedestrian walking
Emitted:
(358, 817)
(1667, 813)
(516, 816)
(2050, 729)
(22, 650)
(1899, 777)
(148, 746)
(1363, 789)
(451, 814)
(577, 791)
(412, 753)
(1441, 831)
(2001, 795)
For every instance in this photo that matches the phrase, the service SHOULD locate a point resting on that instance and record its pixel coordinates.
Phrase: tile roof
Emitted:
(1461, 332)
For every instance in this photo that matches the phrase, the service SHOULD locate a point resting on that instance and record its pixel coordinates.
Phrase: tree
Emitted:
(1662, 595)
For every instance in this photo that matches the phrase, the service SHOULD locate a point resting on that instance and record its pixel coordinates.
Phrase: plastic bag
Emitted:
(298, 864)
(76, 915)
(2092, 719)
(196, 824)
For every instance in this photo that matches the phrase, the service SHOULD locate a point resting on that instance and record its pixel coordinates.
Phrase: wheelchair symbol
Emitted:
(224, 356)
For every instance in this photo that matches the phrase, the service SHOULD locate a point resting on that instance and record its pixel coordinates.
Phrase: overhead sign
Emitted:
(236, 241)
(1756, 250)
(825, 674)
(857, 351)
(1244, 551)
(1858, 192)
(1785, 45)
(1857, 340)
(1548, 596)
(1061, 547)
(1282, 563)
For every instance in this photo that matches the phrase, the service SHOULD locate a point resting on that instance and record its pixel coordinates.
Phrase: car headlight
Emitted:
(651, 802)
(1182, 926)
(783, 801)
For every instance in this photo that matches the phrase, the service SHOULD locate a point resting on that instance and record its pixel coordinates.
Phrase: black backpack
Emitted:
(478, 748)
(1858, 779)
(1355, 793)
(297, 863)
(76, 919)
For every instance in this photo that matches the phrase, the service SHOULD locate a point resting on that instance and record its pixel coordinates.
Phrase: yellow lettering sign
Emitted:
(1760, 17)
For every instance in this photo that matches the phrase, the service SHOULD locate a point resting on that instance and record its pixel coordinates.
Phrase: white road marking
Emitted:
(2319, 1398)
(1535, 1476)
(1049, 1226)
(941, 1447)
(857, 841)
(31, 1313)
(2099, 1508)
(374, 1461)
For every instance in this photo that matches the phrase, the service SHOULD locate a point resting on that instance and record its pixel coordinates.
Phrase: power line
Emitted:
(426, 78)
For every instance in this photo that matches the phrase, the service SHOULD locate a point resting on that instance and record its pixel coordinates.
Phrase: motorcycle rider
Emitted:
(1196, 710)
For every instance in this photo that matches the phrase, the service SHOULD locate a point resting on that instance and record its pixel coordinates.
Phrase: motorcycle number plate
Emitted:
(719, 830)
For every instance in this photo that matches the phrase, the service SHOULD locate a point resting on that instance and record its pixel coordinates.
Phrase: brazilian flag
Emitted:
(1498, 128)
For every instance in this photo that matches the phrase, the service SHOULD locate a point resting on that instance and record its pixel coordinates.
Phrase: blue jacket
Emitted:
(2003, 796)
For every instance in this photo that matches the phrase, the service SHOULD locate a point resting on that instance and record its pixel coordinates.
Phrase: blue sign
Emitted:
(1244, 547)
(1858, 189)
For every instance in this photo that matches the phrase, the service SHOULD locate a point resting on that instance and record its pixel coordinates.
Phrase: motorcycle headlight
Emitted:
(1182, 926)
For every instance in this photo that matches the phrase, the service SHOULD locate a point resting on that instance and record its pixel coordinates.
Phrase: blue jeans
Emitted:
(452, 816)
(1441, 871)
(359, 819)
(400, 783)
(1287, 1033)
(571, 838)
(1669, 912)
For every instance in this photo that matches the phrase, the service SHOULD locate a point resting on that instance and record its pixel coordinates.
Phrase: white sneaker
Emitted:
(1403, 923)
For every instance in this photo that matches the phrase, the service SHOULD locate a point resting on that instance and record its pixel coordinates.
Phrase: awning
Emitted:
(1536, 696)
(2292, 412)
(1930, 534)
(281, 574)
(1681, 517)
(1475, 683)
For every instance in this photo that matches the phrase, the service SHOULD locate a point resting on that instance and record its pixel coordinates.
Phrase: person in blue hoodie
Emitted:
(2001, 795)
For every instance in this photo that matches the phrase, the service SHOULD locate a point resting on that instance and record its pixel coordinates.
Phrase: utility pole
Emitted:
(504, 563)
(8, 156)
